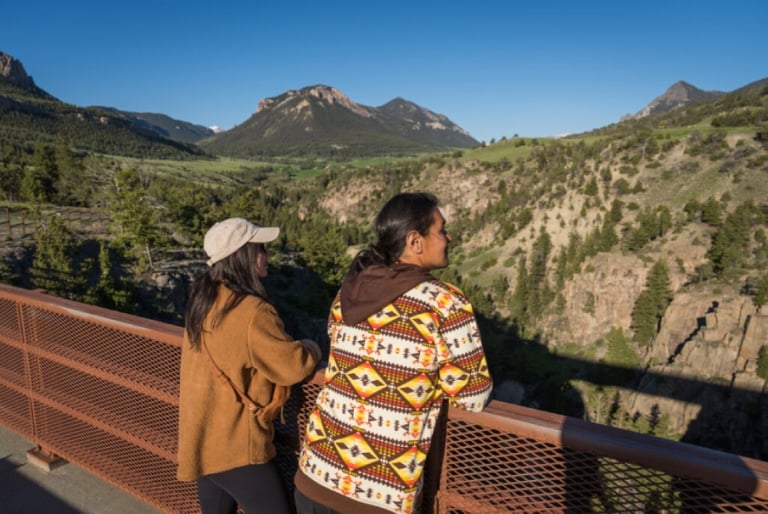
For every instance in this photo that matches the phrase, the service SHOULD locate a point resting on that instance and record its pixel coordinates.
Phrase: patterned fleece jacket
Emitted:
(389, 371)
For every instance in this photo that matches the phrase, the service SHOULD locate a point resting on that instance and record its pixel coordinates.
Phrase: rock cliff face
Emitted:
(325, 94)
(700, 371)
(600, 298)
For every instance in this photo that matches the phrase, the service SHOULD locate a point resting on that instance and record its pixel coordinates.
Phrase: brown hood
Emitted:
(377, 286)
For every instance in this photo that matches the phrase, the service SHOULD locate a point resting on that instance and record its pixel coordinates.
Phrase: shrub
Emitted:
(762, 363)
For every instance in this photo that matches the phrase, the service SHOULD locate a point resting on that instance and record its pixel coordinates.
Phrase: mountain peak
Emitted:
(303, 97)
(321, 119)
(420, 119)
(13, 71)
(679, 94)
(682, 91)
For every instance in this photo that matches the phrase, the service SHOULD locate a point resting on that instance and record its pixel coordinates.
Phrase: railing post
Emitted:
(433, 468)
(44, 459)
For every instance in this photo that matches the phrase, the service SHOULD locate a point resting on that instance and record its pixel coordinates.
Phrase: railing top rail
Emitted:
(157, 330)
(740, 473)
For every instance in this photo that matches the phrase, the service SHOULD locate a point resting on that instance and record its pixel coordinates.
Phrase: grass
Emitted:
(511, 149)
(703, 128)
(213, 172)
(221, 170)
(520, 148)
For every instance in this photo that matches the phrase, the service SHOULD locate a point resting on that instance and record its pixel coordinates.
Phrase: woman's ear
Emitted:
(413, 242)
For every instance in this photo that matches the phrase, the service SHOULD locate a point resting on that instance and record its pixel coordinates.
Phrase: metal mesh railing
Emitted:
(96, 387)
(100, 389)
(514, 459)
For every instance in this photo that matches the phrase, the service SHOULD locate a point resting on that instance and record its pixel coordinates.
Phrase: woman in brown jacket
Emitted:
(237, 365)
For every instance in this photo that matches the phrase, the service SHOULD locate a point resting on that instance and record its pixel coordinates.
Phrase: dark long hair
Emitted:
(403, 213)
(238, 273)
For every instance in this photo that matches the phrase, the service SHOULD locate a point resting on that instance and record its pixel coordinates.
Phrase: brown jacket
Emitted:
(216, 431)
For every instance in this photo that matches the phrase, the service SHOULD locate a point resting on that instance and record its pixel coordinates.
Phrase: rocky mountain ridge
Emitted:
(678, 95)
(13, 71)
(316, 121)
(433, 127)
(323, 120)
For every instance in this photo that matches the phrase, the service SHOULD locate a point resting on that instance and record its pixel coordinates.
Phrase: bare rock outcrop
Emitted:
(701, 368)
(707, 385)
(600, 298)
(12, 71)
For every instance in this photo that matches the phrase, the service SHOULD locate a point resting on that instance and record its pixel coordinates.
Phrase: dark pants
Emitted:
(306, 506)
(256, 489)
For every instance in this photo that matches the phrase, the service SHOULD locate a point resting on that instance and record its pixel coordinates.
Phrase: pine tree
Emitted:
(692, 209)
(562, 270)
(134, 217)
(52, 263)
(539, 291)
(11, 176)
(574, 254)
(663, 220)
(37, 183)
(730, 244)
(711, 212)
(71, 186)
(761, 292)
(608, 237)
(658, 284)
(500, 287)
(615, 214)
(109, 291)
(519, 301)
(762, 362)
(651, 303)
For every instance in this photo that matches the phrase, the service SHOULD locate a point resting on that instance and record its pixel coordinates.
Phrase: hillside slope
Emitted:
(165, 126)
(28, 113)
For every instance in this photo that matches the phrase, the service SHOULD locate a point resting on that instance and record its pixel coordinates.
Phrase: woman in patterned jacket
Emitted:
(402, 342)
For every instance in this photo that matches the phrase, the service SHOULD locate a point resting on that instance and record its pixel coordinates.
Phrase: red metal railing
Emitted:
(99, 388)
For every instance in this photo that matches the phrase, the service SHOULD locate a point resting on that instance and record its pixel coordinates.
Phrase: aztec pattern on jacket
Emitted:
(370, 431)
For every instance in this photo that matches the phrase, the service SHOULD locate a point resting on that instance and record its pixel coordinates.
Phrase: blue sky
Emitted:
(496, 68)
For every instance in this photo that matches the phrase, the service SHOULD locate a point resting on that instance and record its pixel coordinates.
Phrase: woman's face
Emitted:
(435, 243)
(430, 250)
(261, 261)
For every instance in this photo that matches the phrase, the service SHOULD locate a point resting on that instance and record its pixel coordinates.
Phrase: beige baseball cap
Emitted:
(226, 237)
